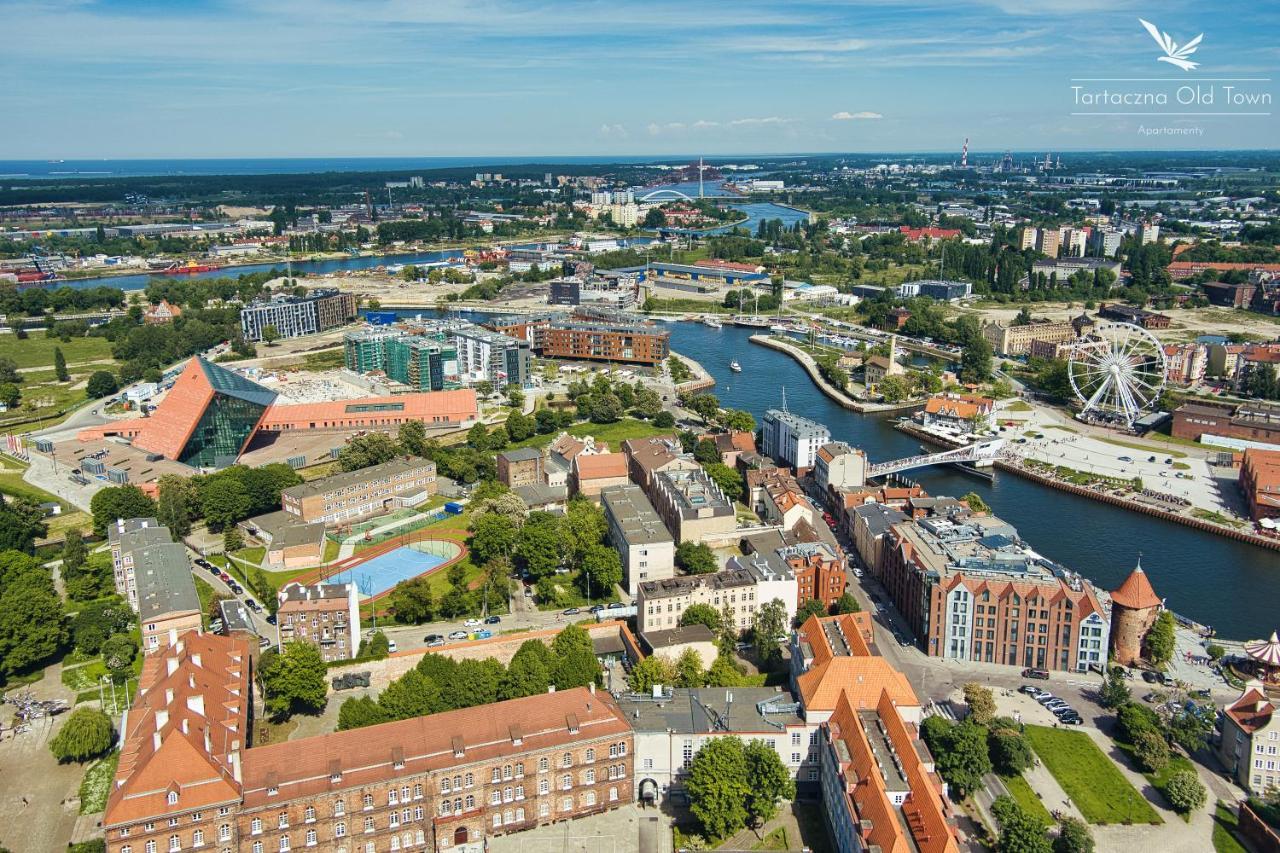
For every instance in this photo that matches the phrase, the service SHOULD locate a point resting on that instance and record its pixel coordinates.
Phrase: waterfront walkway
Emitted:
(811, 367)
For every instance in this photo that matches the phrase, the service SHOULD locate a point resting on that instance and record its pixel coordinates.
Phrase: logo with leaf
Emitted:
(1174, 54)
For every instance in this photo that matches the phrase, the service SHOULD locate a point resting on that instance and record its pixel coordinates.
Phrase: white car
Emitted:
(472, 623)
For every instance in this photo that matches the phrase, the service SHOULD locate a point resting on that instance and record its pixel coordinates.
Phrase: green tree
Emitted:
(529, 672)
(540, 547)
(963, 759)
(86, 734)
(1160, 641)
(1185, 792)
(377, 646)
(1010, 753)
(32, 620)
(1073, 837)
(60, 365)
(358, 713)
(584, 526)
(768, 779)
(21, 524)
(1150, 751)
(521, 426)
(363, 451)
(1114, 692)
(10, 395)
(689, 672)
(492, 535)
(982, 705)
(810, 607)
(116, 502)
(738, 420)
(719, 788)
(174, 504)
(412, 437)
(728, 479)
(701, 614)
(1020, 831)
(73, 552)
(224, 501)
(976, 503)
(270, 335)
(664, 420)
(231, 540)
(118, 653)
(411, 695)
(102, 383)
(575, 658)
(412, 601)
(476, 682)
(768, 628)
(651, 671)
(696, 558)
(1133, 719)
(600, 571)
(724, 672)
(846, 603)
(975, 360)
(294, 680)
(894, 389)
(705, 453)
(1191, 729)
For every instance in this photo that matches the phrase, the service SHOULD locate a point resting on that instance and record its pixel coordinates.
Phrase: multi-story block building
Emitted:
(659, 604)
(122, 537)
(839, 466)
(692, 505)
(294, 316)
(641, 344)
(970, 590)
(1016, 340)
(521, 467)
(485, 356)
(1250, 745)
(326, 615)
(637, 533)
(353, 495)
(189, 777)
(792, 440)
(365, 350)
(424, 364)
(647, 456)
(152, 573)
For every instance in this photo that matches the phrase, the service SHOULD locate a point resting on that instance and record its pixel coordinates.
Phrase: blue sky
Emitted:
(236, 78)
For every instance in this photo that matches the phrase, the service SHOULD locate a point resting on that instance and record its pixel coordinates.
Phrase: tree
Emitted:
(1190, 729)
(1114, 692)
(10, 395)
(412, 436)
(768, 628)
(116, 502)
(1133, 719)
(1160, 639)
(718, 787)
(1010, 753)
(362, 451)
(1073, 837)
(86, 734)
(982, 705)
(728, 479)
(963, 758)
(1020, 831)
(413, 694)
(21, 524)
(976, 503)
(224, 501)
(540, 547)
(521, 426)
(811, 607)
(705, 453)
(270, 335)
(664, 420)
(724, 672)
(102, 383)
(1184, 791)
(975, 361)
(60, 365)
(73, 552)
(584, 526)
(847, 604)
(768, 780)
(231, 540)
(701, 614)
(600, 571)
(651, 671)
(358, 713)
(738, 420)
(529, 672)
(575, 658)
(1150, 751)
(696, 558)
(174, 504)
(293, 680)
(492, 535)
(705, 406)
(894, 389)
(377, 646)
(689, 671)
(412, 601)
(475, 682)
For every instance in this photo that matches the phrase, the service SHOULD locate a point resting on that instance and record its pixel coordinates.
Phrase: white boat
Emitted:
(712, 322)
(780, 328)
(735, 367)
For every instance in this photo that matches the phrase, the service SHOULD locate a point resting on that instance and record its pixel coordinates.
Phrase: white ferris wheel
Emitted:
(1117, 371)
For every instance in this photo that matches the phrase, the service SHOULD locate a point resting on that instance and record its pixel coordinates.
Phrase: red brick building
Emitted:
(1260, 482)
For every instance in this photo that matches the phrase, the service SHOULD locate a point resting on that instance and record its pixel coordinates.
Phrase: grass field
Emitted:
(1225, 824)
(37, 350)
(613, 434)
(1090, 778)
(1023, 794)
(95, 787)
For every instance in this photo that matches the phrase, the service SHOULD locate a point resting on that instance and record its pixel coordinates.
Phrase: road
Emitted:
(259, 619)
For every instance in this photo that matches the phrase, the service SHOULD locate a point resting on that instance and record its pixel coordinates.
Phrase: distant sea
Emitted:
(59, 169)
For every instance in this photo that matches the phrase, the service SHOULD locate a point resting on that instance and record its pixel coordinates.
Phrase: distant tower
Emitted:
(1006, 164)
(700, 177)
(964, 154)
(1134, 607)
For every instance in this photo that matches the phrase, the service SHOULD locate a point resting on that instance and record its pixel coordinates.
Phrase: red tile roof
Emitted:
(430, 407)
(601, 466)
(1136, 593)
(1251, 711)
(857, 673)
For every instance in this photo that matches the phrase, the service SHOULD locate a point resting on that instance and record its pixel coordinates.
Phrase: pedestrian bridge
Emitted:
(970, 453)
(672, 194)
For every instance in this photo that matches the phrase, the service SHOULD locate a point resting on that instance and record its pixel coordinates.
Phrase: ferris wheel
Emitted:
(1117, 371)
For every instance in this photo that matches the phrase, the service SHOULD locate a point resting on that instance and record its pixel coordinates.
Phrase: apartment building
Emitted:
(647, 456)
(792, 440)
(971, 590)
(352, 495)
(485, 356)
(520, 467)
(1250, 745)
(1016, 340)
(641, 344)
(660, 603)
(122, 537)
(153, 574)
(692, 505)
(450, 781)
(637, 533)
(294, 316)
(326, 615)
(839, 466)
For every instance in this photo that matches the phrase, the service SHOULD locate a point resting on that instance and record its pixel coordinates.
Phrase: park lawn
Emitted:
(95, 787)
(37, 350)
(775, 840)
(331, 550)
(1090, 778)
(315, 472)
(677, 305)
(252, 554)
(1016, 406)
(616, 433)
(11, 483)
(1144, 448)
(1225, 825)
(1160, 779)
(1025, 796)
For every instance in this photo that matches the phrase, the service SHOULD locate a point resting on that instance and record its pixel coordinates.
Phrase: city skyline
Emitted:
(508, 79)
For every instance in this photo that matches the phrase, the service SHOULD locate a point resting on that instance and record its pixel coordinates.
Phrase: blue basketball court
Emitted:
(386, 570)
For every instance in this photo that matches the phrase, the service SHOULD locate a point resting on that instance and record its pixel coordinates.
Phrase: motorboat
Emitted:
(712, 322)
(735, 367)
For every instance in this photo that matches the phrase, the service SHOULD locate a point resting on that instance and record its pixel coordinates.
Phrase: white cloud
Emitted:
(615, 131)
(742, 122)
(845, 115)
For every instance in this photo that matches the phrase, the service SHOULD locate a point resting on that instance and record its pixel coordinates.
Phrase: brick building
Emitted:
(353, 495)
(692, 505)
(520, 467)
(606, 342)
(1260, 482)
(1134, 608)
(326, 615)
(1251, 421)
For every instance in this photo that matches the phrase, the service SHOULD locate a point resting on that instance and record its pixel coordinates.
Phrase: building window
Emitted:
(175, 843)
(543, 809)
(613, 794)
(284, 843)
(339, 808)
(591, 755)
(566, 760)
(255, 826)
(589, 798)
(566, 782)
(173, 798)
(590, 777)
(566, 804)
(542, 764)
(340, 830)
(257, 847)
(368, 824)
(224, 832)
(543, 787)
(197, 838)
(368, 801)
(311, 838)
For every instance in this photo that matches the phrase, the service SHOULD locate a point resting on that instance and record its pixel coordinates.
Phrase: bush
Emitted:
(1151, 751)
(1133, 719)
(1184, 791)
(86, 734)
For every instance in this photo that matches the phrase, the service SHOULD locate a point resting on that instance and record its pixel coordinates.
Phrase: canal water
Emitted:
(1229, 585)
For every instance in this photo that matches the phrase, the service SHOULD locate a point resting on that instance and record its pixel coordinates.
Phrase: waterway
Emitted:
(1229, 585)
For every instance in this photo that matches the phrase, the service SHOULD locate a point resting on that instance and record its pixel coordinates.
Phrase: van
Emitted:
(391, 646)
(1036, 673)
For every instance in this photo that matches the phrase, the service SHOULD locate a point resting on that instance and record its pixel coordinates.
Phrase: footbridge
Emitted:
(970, 453)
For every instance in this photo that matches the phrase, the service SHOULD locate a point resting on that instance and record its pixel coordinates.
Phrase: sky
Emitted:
(304, 78)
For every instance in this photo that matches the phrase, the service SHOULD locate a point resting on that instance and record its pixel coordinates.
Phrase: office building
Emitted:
(792, 440)
(485, 356)
(660, 603)
(692, 505)
(188, 779)
(326, 615)
(353, 495)
(637, 533)
(294, 316)
(945, 291)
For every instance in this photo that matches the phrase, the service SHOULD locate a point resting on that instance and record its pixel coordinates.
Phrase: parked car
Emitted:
(1150, 677)
(528, 591)
(473, 623)
(431, 638)
(391, 645)
(1036, 673)
(572, 611)
(482, 635)
(1045, 698)
(596, 608)
(457, 635)
(436, 642)
(1031, 690)
(616, 605)
(492, 620)
(1073, 720)
(226, 578)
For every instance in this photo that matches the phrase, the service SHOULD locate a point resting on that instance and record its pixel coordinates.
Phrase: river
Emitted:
(1229, 585)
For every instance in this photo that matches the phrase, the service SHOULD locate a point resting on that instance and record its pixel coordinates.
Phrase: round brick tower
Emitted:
(1134, 607)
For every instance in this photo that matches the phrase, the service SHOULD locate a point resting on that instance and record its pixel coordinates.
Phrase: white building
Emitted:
(793, 440)
(637, 533)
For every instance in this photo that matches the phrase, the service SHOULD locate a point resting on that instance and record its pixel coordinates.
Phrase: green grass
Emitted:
(698, 306)
(775, 840)
(1025, 796)
(252, 554)
(95, 787)
(1090, 778)
(1017, 406)
(11, 483)
(207, 595)
(1144, 448)
(37, 350)
(1160, 779)
(1216, 517)
(1225, 825)
(331, 550)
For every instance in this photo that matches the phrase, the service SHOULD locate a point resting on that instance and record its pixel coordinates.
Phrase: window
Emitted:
(417, 792)
(613, 750)
(272, 791)
(197, 838)
(284, 843)
(508, 794)
(566, 782)
(173, 821)
(257, 847)
(368, 801)
(224, 832)
(284, 820)
(151, 847)
(340, 830)
(589, 777)
(444, 785)
(470, 780)
(542, 764)
(224, 811)
(173, 798)
(519, 792)
(566, 804)
(446, 807)
(589, 798)
(519, 769)
(506, 771)
(175, 843)
(392, 797)
(647, 764)
(497, 775)
(795, 738)
(613, 794)
(566, 760)
(311, 838)
(255, 826)
(544, 809)
(591, 755)
(368, 824)
(394, 820)
(126, 849)
(471, 802)
(543, 787)
(495, 797)
(339, 808)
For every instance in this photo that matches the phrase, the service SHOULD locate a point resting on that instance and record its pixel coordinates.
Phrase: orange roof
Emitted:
(430, 407)
(601, 466)
(186, 730)
(853, 671)
(1251, 711)
(1136, 593)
